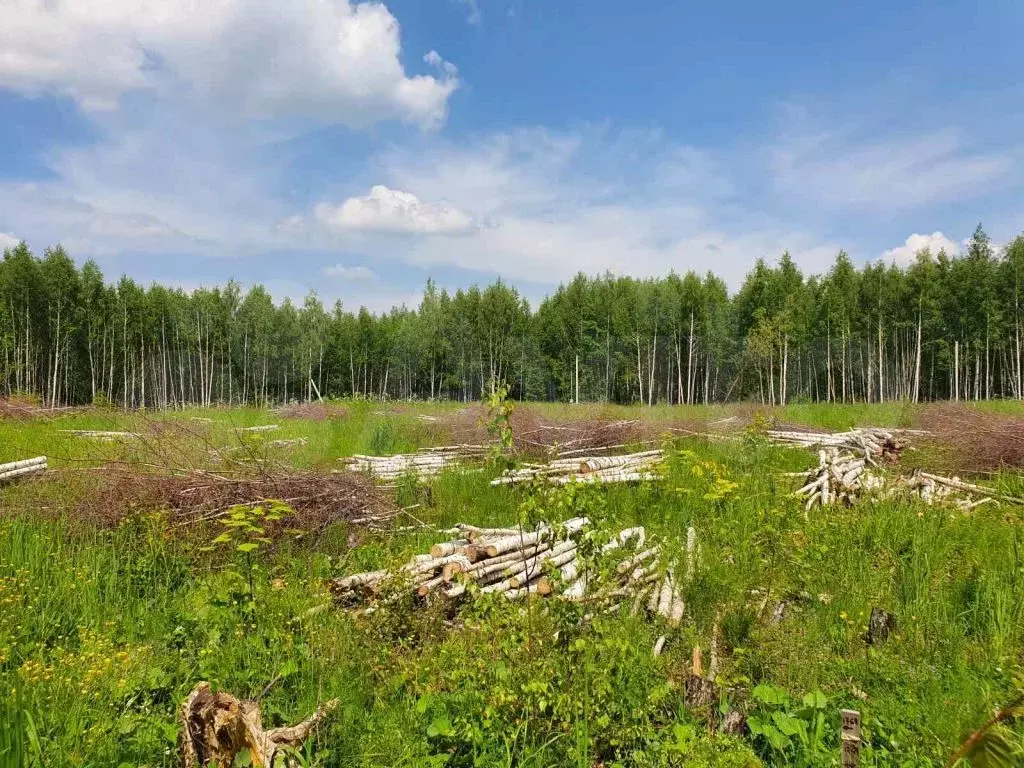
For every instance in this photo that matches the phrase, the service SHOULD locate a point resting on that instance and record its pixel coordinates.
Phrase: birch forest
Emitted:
(947, 326)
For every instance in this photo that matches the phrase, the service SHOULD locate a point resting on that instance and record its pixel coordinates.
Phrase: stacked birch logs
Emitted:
(94, 434)
(873, 442)
(843, 477)
(546, 561)
(259, 428)
(632, 467)
(936, 489)
(290, 443)
(15, 469)
(425, 463)
(837, 478)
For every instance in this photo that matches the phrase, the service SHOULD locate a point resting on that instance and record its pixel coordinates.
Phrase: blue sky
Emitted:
(357, 149)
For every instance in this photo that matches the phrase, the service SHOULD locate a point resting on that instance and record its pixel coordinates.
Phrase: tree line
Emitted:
(947, 326)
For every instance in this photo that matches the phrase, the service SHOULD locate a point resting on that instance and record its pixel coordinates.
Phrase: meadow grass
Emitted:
(103, 631)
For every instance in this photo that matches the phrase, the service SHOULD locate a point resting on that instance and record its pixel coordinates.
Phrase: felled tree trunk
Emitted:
(215, 727)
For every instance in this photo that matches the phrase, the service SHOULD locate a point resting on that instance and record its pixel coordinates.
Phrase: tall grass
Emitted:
(102, 632)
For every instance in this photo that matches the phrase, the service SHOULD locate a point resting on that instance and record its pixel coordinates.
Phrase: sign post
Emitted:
(850, 737)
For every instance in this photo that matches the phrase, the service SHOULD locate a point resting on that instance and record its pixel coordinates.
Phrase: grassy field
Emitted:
(105, 626)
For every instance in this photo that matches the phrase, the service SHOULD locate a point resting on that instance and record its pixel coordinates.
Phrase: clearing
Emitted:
(154, 551)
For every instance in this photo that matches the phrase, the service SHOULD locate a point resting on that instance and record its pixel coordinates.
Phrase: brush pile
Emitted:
(629, 468)
(872, 442)
(27, 409)
(195, 497)
(15, 469)
(424, 464)
(575, 438)
(312, 411)
(844, 477)
(975, 439)
(566, 560)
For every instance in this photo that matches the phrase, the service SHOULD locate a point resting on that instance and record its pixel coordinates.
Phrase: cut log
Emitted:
(33, 462)
(501, 546)
(458, 546)
(357, 580)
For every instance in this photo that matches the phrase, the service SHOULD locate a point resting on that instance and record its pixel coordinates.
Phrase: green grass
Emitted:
(103, 632)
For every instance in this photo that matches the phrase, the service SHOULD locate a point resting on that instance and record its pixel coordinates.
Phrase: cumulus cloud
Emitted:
(906, 253)
(391, 210)
(7, 241)
(331, 59)
(341, 272)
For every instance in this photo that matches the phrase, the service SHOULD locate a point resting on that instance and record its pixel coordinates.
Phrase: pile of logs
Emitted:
(425, 463)
(936, 489)
(872, 442)
(546, 561)
(15, 469)
(291, 443)
(632, 467)
(838, 477)
(843, 477)
(102, 436)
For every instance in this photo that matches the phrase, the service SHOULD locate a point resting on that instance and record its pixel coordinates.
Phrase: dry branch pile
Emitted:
(874, 443)
(564, 560)
(844, 477)
(217, 727)
(15, 469)
(312, 411)
(26, 409)
(425, 463)
(575, 438)
(978, 440)
(193, 497)
(632, 467)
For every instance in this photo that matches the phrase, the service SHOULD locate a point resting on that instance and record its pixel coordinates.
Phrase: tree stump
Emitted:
(215, 727)
(880, 626)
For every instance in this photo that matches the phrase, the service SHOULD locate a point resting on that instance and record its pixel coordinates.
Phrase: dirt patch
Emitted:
(973, 439)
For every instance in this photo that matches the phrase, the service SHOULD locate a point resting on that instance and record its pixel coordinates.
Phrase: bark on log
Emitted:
(33, 462)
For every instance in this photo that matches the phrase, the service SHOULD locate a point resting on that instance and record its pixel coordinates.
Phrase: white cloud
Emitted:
(549, 205)
(474, 16)
(331, 59)
(833, 170)
(7, 241)
(391, 210)
(906, 253)
(342, 272)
